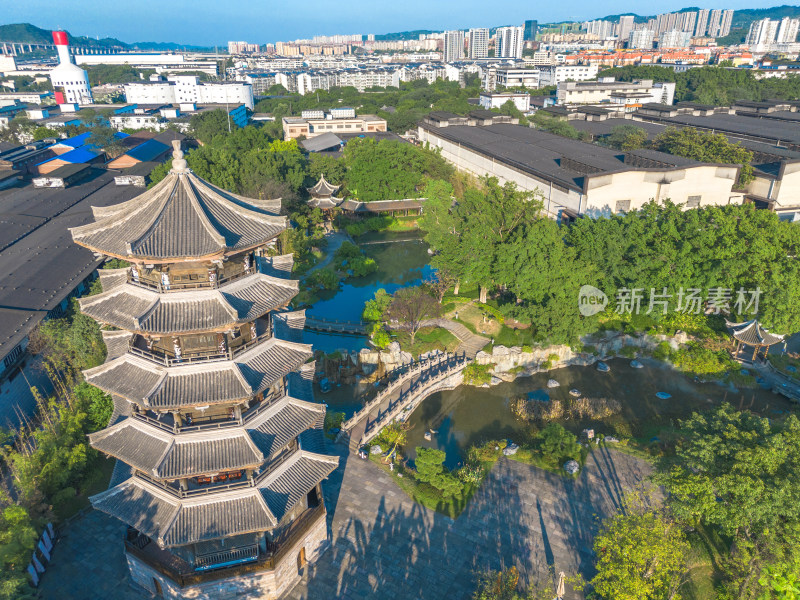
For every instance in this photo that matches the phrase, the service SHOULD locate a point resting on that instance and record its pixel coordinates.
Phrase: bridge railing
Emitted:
(459, 361)
(415, 392)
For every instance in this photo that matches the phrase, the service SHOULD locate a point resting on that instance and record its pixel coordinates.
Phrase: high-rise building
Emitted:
(701, 25)
(602, 29)
(674, 39)
(242, 48)
(719, 23)
(70, 82)
(531, 29)
(762, 32)
(217, 438)
(687, 21)
(509, 42)
(625, 27)
(787, 31)
(478, 43)
(453, 46)
(641, 39)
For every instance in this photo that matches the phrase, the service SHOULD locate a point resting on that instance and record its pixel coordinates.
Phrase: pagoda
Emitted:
(217, 438)
(322, 195)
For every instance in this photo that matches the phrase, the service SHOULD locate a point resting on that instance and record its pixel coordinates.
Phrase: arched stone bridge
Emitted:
(402, 396)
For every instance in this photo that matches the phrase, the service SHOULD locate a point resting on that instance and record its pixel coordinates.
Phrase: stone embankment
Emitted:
(510, 363)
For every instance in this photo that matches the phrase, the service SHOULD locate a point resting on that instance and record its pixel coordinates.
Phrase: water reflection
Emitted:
(402, 260)
(469, 415)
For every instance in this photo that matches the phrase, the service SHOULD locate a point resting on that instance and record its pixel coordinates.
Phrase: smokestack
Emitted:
(62, 45)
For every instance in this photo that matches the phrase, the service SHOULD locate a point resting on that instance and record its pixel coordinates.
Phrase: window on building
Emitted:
(693, 201)
(623, 206)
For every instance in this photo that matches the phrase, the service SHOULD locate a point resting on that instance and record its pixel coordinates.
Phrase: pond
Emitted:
(402, 260)
(468, 416)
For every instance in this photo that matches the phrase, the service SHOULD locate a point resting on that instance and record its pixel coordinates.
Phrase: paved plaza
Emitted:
(386, 546)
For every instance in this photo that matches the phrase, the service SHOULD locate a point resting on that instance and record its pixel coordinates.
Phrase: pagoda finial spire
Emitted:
(179, 164)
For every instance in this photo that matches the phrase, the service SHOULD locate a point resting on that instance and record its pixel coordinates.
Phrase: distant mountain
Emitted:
(403, 35)
(25, 33)
(171, 46)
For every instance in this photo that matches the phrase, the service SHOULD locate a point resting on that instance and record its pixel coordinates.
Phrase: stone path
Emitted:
(471, 343)
(386, 546)
(335, 240)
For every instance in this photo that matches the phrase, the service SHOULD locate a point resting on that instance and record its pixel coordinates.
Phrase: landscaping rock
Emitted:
(510, 450)
(376, 449)
(611, 439)
(394, 347)
(572, 467)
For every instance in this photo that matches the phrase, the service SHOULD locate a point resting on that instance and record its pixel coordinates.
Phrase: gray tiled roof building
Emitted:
(217, 437)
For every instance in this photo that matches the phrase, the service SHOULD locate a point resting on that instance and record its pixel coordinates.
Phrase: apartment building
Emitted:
(553, 75)
(478, 43)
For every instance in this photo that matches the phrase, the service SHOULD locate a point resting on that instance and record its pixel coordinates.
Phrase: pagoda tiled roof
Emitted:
(128, 306)
(166, 455)
(155, 386)
(174, 521)
(181, 217)
(322, 189)
(752, 333)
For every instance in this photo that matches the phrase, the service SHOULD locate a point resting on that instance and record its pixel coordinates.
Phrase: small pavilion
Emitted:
(322, 195)
(750, 334)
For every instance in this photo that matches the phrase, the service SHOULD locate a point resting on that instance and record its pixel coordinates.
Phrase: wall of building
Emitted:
(711, 183)
(787, 190)
(268, 585)
(555, 197)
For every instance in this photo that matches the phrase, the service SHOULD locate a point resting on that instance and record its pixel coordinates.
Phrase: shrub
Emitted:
(333, 420)
(381, 338)
(476, 374)
(558, 445)
(663, 351)
(628, 351)
(431, 470)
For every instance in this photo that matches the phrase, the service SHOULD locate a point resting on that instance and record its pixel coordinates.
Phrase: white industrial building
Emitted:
(577, 178)
(619, 95)
(162, 63)
(180, 89)
(521, 101)
(553, 75)
(70, 82)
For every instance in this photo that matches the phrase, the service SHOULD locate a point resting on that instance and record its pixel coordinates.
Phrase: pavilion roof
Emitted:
(181, 217)
(166, 455)
(134, 308)
(174, 521)
(323, 189)
(199, 384)
(752, 333)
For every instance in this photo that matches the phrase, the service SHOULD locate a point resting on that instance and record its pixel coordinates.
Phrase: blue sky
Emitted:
(208, 22)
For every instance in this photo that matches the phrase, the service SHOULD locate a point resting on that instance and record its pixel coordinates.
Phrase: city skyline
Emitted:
(209, 24)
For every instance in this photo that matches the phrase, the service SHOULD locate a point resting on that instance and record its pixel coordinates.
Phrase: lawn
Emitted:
(426, 340)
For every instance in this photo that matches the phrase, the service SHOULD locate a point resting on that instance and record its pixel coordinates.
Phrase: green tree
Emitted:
(641, 553)
(208, 125)
(410, 307)
(18, 537)
(627, 137)
(740, 473)
(706, 147)
(375, 309)
(557, 444)
(431, 470)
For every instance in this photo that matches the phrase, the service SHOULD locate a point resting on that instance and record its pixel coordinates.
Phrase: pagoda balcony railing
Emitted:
(170, 360)
(233, 556)
(244, 483)
(184, 574)
(194, 426)
(182, 286)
